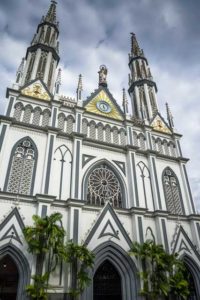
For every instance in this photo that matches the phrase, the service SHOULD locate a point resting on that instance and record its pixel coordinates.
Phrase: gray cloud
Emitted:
(95, 32)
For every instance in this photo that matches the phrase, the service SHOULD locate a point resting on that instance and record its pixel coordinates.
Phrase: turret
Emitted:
(142, 88)
(42, 55)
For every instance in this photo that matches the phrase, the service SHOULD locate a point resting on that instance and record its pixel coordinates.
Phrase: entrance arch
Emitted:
(9, 278)
(193, 273)
(107, 283)
(123, 265)
(15, 258)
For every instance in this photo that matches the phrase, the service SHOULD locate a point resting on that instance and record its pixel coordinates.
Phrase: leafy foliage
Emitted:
(82, 259)
(45, 239)
(163, 273)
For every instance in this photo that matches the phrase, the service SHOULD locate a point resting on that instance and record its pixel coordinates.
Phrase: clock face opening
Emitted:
(103, 106)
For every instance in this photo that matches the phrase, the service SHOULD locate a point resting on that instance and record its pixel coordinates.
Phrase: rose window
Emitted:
(103, 185)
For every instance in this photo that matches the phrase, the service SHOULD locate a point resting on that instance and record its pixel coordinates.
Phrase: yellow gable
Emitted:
(36, 90)
(102, 105)
(159, 125)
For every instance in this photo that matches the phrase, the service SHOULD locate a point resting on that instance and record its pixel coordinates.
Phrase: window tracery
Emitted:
(172, 192)
(103, 185)
(23, 162)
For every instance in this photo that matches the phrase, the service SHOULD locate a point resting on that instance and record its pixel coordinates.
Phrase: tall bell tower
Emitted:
(42, 55)
(142, 88)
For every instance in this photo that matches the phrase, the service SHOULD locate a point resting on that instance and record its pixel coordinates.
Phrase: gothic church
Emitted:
(115, 176)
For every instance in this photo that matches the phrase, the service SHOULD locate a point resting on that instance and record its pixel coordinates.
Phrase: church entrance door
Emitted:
(9, 277)
(107, 283)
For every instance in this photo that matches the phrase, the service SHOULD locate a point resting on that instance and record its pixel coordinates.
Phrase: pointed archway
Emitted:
(13, 259)
(9, 278)
(107, 283)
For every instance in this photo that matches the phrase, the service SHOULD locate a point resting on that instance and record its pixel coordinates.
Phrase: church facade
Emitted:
(115, 177)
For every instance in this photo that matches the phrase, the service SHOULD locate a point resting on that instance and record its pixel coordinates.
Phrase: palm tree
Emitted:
(162, 274)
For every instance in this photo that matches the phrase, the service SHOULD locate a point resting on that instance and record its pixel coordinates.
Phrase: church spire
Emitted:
(42, 55)
(142, 88)
(51, 14)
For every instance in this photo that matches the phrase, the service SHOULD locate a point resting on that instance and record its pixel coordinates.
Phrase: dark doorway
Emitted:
(192, 289)
(107, 283)
(8, 279)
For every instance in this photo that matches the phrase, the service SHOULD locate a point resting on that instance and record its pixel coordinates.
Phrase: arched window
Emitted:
(172, 192)
(115, 135)
(61, 121)
(142, 141)
(172, 149)
(46, 117)
(42, 65)
(104, 185)
(36, 116)
(84, 126)
(70, 122)
(50, 74)
(27, 114)
(92, 130)
(122, 137)
(30, 66)
(18, 111)
(48, 34)
(166, 148)
(100, 132)
(108, 134)
(22, 166)
(160, 147)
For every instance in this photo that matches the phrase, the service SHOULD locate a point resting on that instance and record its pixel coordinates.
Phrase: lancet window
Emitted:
(172, 192)
(22, 167)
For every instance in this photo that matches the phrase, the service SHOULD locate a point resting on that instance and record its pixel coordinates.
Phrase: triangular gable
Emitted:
(102, 103)
(107, 227)
(159, 124)
(12, 226)
(184, 245)
(36, 89)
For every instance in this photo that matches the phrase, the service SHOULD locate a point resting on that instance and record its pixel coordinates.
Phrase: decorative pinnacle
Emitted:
(103, 71)
(51, 14)
(79, 88)
(58, 81)
(135, 49)
(21, 66)
(169, 116)
(124, 101)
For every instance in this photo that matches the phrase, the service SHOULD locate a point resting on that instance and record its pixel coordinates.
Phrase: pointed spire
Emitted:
(169, 116)
(51, 14)
(124, 101)
(20, 71)
(135, 49)
(79, 88)
(103, 71)
(58, 81)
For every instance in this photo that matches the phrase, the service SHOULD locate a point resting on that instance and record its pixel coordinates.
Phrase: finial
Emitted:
(58, 81)
(135, 49)
(79, 88)
(103, 71)
(169, 116)
(124, 101)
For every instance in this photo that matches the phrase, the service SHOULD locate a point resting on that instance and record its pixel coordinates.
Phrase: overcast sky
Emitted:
(95, 32)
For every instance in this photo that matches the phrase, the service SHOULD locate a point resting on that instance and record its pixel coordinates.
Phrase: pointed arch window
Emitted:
(27, 114)
(108, 134)
(100, 132)
(18, 111)
(46, 117)
(48, 34)
(30, 66)
(36, 116)
(115, 135)
(103, 185)
(42, 65)
(172, 192)
(92, 130)
(84, 126)
(21, 171)
(70, 122)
